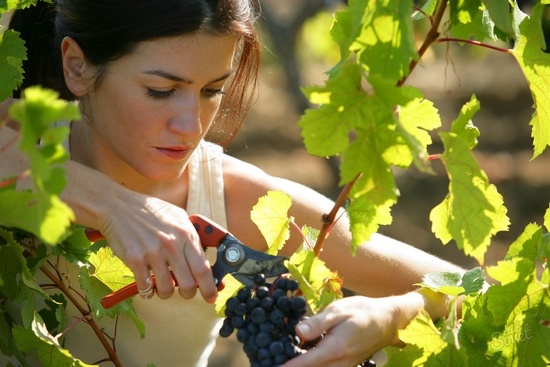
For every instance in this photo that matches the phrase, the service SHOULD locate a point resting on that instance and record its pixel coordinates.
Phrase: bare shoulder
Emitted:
(246, 183)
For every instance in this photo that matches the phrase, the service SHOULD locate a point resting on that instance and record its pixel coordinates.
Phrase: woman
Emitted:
(152, 79)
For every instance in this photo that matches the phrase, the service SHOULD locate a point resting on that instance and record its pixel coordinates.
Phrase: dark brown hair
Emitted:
(109, 29)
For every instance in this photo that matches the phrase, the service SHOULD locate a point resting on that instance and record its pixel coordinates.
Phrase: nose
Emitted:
(186, 119)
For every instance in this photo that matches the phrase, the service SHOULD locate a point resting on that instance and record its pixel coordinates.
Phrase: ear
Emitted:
(75, 67)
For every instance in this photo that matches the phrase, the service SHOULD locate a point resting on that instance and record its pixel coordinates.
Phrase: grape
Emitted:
(265, 317)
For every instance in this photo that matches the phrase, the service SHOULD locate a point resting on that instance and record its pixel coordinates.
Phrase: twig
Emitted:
(9, 144)
(85, 313)
(329, 219)
(472, 42)
(431, 37)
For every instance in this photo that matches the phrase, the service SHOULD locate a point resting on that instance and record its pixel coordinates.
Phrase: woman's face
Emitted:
(152, 107)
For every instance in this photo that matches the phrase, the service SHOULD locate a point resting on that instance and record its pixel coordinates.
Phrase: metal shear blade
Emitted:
(244, 263)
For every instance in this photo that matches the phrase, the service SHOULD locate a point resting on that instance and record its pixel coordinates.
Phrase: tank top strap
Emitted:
(206, 187)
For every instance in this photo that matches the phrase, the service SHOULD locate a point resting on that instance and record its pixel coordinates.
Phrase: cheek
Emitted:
(209, 113)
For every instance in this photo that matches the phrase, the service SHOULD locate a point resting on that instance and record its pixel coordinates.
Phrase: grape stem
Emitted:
(475, 43)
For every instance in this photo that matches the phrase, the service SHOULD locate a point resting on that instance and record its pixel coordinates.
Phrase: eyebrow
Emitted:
(169, 76)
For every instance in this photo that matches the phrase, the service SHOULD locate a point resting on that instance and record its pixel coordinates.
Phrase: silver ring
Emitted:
(147, 292)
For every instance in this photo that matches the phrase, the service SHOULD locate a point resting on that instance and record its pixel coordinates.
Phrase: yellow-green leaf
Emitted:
(270, 214)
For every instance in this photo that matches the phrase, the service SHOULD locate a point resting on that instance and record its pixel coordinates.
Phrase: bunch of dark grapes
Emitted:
(265, 317)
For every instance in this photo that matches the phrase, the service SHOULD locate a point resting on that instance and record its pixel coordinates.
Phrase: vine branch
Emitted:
(85, 313)
(328, 219)
(431, 37)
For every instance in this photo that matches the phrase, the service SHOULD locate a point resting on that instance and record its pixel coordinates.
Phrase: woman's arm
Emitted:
(381, 267)
(148, 234)
(383, 271)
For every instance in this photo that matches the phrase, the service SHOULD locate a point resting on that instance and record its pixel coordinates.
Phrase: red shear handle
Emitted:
(126, 292)
(210, 234)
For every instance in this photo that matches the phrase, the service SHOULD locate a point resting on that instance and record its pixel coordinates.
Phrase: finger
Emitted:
(163, 281)
(144, 283)
(326, 355)
(315, 326)
(202, 274)
(187, 286)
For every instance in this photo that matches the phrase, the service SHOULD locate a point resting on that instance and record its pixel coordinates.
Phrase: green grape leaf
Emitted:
(473, 280)
(108, 274)
(524, 339)
(365, 217)
(7, 343)
(547, 216)
(15, 277)
(535, 64)
(343, 34)
(407, 356)
(499, 11)
(422, 332)
(416, 118)
(385, 43)
(54, 314)
(463, 126)
(476, 332)
(110, 270)
(45, 215)
(18, 4)
(41, 213)
(231, 287)
(270, 214)
(11, 67)
(443, 282)
(528, 245)
(453, 283)
(481, 27)
(515, 276)
(473, 211)
(319, 284)
(96, 290)
(342, 102)
(310, 238)
(76, 247)
(47, 347)
(427, 345)
(463, 12)
(427, 9)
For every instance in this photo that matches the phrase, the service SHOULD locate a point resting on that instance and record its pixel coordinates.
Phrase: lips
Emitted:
(175, 152)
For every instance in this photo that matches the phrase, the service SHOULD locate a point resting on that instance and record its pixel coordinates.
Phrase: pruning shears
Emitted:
(232, 257)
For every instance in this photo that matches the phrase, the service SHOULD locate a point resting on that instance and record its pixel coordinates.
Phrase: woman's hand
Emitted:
(152, 236)
(356, 328)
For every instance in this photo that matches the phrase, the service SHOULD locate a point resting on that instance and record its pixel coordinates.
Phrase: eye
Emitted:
(159, 94)
(212, 92)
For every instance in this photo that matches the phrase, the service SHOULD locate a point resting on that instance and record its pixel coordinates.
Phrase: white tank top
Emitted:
(178, 332)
